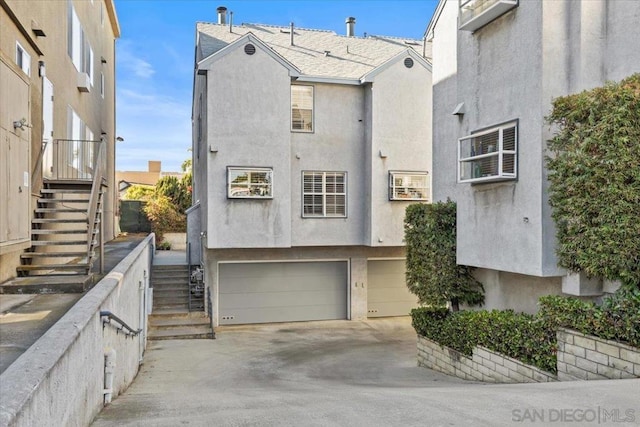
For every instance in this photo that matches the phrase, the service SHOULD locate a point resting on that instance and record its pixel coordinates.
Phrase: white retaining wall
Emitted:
(59, 380)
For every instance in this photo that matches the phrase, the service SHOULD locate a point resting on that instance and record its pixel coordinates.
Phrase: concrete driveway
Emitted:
(340, 373)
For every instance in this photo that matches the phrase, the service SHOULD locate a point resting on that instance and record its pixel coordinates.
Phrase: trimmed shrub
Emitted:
(594, 177)
(518, 335)
(432, 272)
(618, 318)
(164, 216)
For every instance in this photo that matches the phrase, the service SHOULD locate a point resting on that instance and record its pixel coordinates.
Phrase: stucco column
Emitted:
(358, 285)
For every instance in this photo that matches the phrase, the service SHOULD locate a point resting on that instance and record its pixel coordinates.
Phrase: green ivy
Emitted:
(594, 175)
(432, 272)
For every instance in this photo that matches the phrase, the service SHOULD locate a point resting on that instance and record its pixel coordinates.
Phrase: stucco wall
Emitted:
(336, 145)
(59, 380)
(248, 124)
(401, 130)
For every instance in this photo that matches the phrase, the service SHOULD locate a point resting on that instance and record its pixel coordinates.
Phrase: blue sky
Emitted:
(155, 60)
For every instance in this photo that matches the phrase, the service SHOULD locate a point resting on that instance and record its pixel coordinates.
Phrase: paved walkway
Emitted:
(338, 373)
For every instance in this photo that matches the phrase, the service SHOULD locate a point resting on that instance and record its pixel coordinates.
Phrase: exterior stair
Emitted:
(178, 308)
(63, 238)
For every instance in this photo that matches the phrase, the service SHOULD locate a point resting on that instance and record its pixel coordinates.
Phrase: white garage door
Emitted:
(388, 294)
(282, 292)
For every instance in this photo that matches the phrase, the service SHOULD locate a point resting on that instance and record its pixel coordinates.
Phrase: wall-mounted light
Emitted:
(20, 124)
(41, 69)
(37, 29)
(104, 61)
(459, 110)
(120, 139)
(383, 154)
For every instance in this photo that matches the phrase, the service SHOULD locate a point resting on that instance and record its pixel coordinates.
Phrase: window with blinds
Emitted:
(490, 155)
(302, 108)
(324, 194)
(249, 183)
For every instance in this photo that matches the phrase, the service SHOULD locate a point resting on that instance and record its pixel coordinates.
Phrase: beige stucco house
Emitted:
(57, 124)
(497, 66)
(307, 147)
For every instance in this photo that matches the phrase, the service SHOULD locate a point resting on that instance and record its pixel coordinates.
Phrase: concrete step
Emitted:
(60, 210)
(170, 305)
(176, 313)
(47, 285)
(59, 221)
(65, 191)
(188, 333)
(44, 231)
(165, 268)
(61, 267)
(60, 242)
(28, 255)
(170, 284)
(163, 322)
(52, 200)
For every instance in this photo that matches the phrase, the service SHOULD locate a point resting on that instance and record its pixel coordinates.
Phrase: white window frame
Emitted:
(250, 190)
(409, 189)
(475, 14)
(79, 48)
(311, 128)
(324, 194)
(23, 59)
(480, 156)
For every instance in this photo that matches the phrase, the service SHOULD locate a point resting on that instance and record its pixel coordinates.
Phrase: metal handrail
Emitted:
(209, 310)
(108, 316)
(92, 209)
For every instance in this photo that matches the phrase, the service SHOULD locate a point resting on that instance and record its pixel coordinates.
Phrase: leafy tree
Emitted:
(164, 216)
(594, 175)
(175, 190)
(432, 272)
(139, 192)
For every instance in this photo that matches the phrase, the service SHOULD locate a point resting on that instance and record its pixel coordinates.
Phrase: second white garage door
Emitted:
(388, 294)
(282, 292)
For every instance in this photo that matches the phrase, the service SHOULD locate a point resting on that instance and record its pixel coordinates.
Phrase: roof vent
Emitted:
(222, 15)
(408, 62)
(351, 26)
(249, 49)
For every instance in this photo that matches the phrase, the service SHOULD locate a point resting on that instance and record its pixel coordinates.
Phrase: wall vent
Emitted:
(249, 49)
(408, 62)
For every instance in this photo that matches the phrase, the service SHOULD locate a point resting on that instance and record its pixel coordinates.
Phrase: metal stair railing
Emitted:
(108, 316)
(92, 209)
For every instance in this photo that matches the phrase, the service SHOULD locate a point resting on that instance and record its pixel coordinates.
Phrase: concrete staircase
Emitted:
(172, 318)
(63, 239)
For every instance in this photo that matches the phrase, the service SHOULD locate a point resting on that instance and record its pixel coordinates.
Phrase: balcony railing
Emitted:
(71, 159)
(478, 13)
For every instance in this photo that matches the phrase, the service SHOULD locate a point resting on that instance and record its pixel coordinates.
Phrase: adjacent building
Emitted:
(497, 66)
(307, 147)
(57, 113)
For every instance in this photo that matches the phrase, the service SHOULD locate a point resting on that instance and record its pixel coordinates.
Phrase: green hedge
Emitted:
(532, 338)
(617, 319)
(518, 335)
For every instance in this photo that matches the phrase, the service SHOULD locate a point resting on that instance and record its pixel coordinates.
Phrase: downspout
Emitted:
(109, 371)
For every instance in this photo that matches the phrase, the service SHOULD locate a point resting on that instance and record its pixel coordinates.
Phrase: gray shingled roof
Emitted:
(347, 57)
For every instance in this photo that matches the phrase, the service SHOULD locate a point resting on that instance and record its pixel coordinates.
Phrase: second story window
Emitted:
(475, 14)
(249, 183)
(324, 194)
(23, 59)
(408, 186)
(490, 155)
(302, 108)
(78, 46)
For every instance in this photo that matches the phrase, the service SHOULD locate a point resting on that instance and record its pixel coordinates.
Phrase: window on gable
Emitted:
(23, 59)
(324, 194)
(249, 183)
(302, 108)
(490, 155)
(408, 186)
